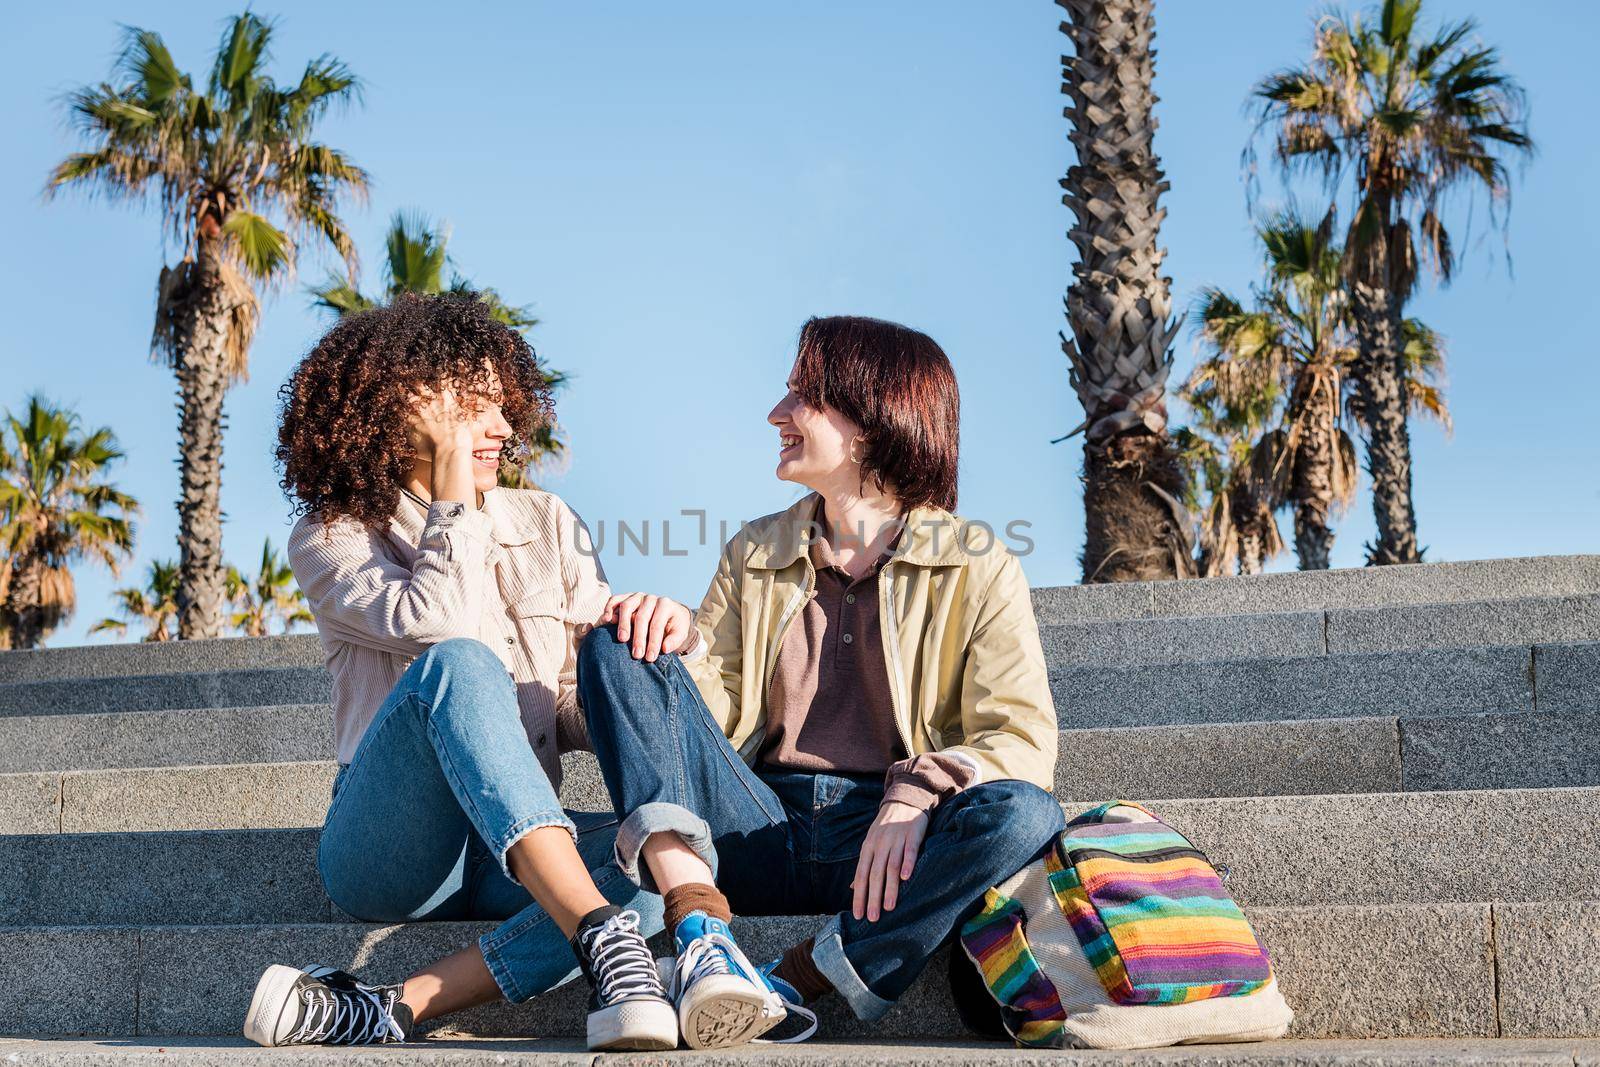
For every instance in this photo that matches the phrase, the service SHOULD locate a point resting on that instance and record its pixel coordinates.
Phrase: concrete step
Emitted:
(233, 678)
(1314, 633)
(1439, 681)
(1350, 971)
(1450, 847)
(224, 796)
(161, 657)
(1313, 591)
(557, 1052)
(184, 737)
(1361, 587)
(239, 688)
(1423, 682)
(1518, 751)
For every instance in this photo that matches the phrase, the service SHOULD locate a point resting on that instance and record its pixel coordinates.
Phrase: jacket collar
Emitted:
(411, 515)
(930, 538)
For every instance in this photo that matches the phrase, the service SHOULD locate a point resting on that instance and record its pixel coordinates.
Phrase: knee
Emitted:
(600, 650)
(1019, 810)
(464, 654)
(1032, 813)
(464, 676)
(604, 663)
(615, 686)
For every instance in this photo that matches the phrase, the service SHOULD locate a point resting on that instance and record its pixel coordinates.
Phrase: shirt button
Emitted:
(848, 639)
(849, 598)
(511, 640)
(541, 741)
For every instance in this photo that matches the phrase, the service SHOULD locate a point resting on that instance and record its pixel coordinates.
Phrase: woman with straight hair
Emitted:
(863, 726)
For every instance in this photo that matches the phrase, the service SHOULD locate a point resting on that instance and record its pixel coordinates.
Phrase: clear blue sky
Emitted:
(677, 187)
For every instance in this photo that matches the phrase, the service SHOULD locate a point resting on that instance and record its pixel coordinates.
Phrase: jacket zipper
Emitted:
(891, 639)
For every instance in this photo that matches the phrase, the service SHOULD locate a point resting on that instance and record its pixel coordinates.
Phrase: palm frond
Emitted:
(417, 254)
(339, 296)
(262, 249)
(149, 67)
(240, 56)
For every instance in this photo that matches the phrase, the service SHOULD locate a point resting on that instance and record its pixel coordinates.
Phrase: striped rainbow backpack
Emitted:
(1122, 936)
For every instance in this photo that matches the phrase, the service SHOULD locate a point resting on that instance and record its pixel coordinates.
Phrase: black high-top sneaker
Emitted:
(321, 1006)
(628, 1006)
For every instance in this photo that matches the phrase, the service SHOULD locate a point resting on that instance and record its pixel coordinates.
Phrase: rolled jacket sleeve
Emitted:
(925, 781)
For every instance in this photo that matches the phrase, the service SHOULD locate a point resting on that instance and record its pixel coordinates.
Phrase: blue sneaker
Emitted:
(793, 1006)
(722, 999)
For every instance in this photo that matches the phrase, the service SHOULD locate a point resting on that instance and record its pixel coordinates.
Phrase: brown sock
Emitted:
(696, 896)
(800, 970)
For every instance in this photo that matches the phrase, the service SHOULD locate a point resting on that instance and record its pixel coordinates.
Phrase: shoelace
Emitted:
(623, 964)
(792, 1007)
(711, 954)
(358, 1016)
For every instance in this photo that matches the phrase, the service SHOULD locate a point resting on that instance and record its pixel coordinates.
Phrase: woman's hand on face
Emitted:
(652, 624)
(888, 856)
(438, 424)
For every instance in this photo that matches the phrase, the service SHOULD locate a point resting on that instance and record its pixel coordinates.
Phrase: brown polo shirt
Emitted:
(829, 708)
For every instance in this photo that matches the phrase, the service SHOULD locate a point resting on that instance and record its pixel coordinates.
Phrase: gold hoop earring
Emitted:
(853, 457)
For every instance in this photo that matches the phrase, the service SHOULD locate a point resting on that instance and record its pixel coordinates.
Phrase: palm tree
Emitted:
(1227, 460)
(56, 508)
(1397, 120)
(1296, 340)
(1119, 304)
(270, 595)
(156, 605)
(222, 158)
(415, 261)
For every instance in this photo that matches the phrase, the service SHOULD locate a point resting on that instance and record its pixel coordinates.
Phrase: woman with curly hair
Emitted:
(449, 610)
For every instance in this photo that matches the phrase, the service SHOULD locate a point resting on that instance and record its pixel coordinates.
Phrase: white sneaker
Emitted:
(628, 1005)
(722, 999)
(318, 1005)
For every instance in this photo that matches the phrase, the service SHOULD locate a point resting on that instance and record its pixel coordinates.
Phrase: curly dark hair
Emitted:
(343, 413)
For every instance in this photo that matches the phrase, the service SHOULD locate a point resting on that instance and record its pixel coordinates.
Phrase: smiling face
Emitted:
(481, 407)
(814, 443)
(489, 433)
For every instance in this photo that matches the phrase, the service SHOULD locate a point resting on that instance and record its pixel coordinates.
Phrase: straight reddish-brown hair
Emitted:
(897, 384)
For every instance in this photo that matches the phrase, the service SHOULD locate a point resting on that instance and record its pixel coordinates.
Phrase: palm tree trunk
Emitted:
(24, 611)
(1131, 533)
(200, 310)
(1119, 305)
(1381, 405)
(1250, 551)
(1252, 519)
(1311, 481)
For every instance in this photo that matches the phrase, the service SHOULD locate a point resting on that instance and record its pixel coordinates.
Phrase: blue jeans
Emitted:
(788, 842)
(443, 783)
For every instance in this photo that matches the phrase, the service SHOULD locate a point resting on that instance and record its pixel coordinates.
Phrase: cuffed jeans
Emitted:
(787, 843)
(443, 783)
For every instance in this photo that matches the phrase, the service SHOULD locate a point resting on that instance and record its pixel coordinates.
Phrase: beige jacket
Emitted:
(521, 575)
(966, 670)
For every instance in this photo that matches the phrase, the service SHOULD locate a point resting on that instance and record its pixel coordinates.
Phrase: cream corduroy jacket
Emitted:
(520, 574)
